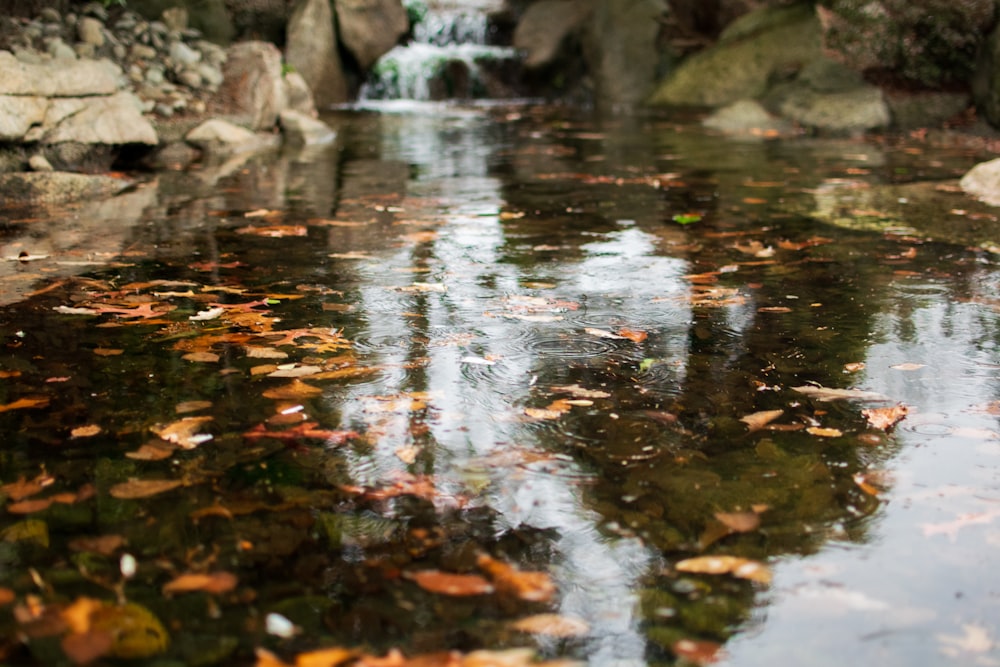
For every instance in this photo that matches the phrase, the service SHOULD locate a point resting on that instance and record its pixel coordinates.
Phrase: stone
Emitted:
(986, 79)
(312, 52)
(60, 50)
(189, 78)
(300, 98)
(544, 26)
(748, 118)
(90, 31)
(142, 52)
(851, 111)
(112, 119)
(930, 108)
(743, 63)
(210, 74)
(40, 163)
(63, 79)
(370, 28)
(183, 54)
(620, 48)
(175, 18)
(217, 137)
(983, 182)
(49, 15)
(18, 113)
(252, 84)
(300, 129)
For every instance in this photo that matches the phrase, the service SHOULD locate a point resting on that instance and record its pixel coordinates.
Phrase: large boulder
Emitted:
(986, 80)
(768, 44)
(932, 43)
(106, 119)
(545, 25)
(58, 187)
(252, 86)
(65, 78)
(983, 182)
(312, 51)
(370, 28)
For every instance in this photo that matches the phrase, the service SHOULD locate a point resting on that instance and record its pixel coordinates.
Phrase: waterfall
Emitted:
(449, 56)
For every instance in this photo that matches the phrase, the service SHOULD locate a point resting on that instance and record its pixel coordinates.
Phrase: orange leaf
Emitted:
(445, 583)
(824, 432)
(327, 657)
(85, 647)
(143, 488)
(22, 403)
(698, 652)
(215, 582)
(184, 432)
(274, 231)
(104, 545)
(85, 431)
(294, 390)
(552, 625)
(23, 488)
(740, 522)
(742, 568)
(885, 418)
(533, 586)
(30, 506)
(633, 335)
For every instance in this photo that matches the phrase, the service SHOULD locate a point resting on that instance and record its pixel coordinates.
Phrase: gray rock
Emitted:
(18, 113)
(84, 50)
(312, 51)
(95, 9)
(913, 109)
(370, 28)
(142, 51)
(211, 75)
(748, 118)
(49, 15)
(59, 49)
(983, 182)
(90, 31)
(154, 75)
(300, 98)
(544, 26)
(252, 86)
(620, 48)
(189, 78)
(302, 130)
(111, 119)
(175, 18)
(62, 79)
(40, 163)
(219, 137)
(183, 54)
(857, 110)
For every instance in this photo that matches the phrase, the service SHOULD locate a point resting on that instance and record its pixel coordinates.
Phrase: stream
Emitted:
(512, 382)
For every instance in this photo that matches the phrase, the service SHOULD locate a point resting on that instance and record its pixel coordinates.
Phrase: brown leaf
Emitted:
(23, 488)
(446, 583)
(552, 625)
(885, 418)
(758, 420)
(30, 506)
(832, 394)
(274, 231)
(214, 582)
(305, 430)
(107, 352)
(294, 390)
(326, 657)
(739, 522)
(201, 357)
(822, 432)
(633, 335)
(532, 586)
(191, 406)
(85, 431)
(184, 432)
(156, 450)
(26, 403)
(143, 488)
(105, 545)
(85, 647)
(699, 652)
(907, 367)
(742, 568)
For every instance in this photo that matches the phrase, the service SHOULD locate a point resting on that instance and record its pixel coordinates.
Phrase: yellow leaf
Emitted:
(742, 568)
(824, 432)
(215, 582)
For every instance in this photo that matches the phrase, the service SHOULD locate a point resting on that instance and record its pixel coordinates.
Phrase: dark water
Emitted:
(509, 333)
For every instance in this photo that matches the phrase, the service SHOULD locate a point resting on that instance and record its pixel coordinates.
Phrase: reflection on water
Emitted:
(482, 331)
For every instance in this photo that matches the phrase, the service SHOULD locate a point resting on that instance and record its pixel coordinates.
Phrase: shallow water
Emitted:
(510, 331)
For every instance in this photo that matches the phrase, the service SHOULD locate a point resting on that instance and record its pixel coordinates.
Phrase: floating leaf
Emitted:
(85, 431)
(294, 390)
(830, 394)
(27, 531)
(26, 403)
(742, 568)
(192, 406)
(601, 333)
(274, 231)
(824, 432)
(633, 335)
(446, 583)
(137, 633)
(907, 367)
(581, 392)
(531, 586)
(24, 488)
(105, 545)
(107, 352)
(214, 582)
(686, 218)
(201, 357)
(184, 432)
(143, 488)
(758, 420)
(700, 652)
(739, 522)
(885, 418)
(552, 625)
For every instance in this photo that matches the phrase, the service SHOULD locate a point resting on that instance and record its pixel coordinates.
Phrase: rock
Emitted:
(175, 18)
(252, 84)
(983, 182)
(545, 25)
(58, 186)
(749, 118)
(914, 109)
(190, 78)
(300, 98)
(183, 54)
(60, 50)
(764, 45)
(986, 79)
(300, 129)
(176, 155)
(90, 31)
(63, 79)
(40, 163)
(855, 110)
(219, 137)
(112, 119)
(932, 43)
(620, 48)
(370, 28)
(312, 52)
(18, 113)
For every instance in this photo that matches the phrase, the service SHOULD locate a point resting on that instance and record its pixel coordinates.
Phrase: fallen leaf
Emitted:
(26, 403)
(24, 488)
(601, 333)
(742, 568)
(143, 488)
(854, 366)
(156, 450)
(700, 652)
(201, 357)
(105, 545)
(107, 352)
(907, 367)
(885, 418)
(446, 583)
(633, 335)
(830, 394)
(408, 454)
(85, 431)
(822, 432)
(192, 406)
(6, 596)
(304, 430)
(184, 432)
(531, 586)
(552, 625)
(739, 522)
(326, 657)
(214, 582)
(294, 390)
(85, 647)
(758, 420)
(274, 231)
(581, 392)
(260, 352)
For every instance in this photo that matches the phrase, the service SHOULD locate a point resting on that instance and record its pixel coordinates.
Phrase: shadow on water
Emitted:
(486, 378)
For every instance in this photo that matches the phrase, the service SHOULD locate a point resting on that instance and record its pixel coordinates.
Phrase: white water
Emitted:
(448, 41)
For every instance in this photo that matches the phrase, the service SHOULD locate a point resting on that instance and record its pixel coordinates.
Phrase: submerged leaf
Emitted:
(743, 568)
(183, 432)
(143, 488)
(552, 625)
(531, 586)
(26, 403)
(215, 582)
(831, 394)
(885, 418)
(758, 420)
(446, 583)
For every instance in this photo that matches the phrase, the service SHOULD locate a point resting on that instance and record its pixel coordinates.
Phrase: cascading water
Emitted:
(450, 56)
